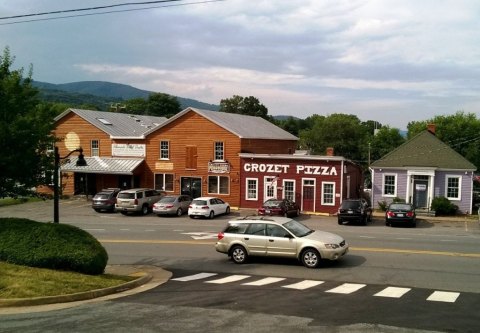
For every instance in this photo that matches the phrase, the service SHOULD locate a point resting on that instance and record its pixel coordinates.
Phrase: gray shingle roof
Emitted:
(245, 127)
(424, 150)
(118, 125)
(109, 165)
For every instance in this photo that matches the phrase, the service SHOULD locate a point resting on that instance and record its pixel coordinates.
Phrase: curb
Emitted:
(81, 296)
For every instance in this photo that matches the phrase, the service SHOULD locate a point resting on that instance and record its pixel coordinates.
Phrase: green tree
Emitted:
(136, 105)
(461, 131)
(25, 132)
(250, 106)
(344, 133)
(162, 105)
(384, 141)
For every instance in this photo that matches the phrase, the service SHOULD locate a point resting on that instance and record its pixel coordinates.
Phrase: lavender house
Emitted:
(421, 169)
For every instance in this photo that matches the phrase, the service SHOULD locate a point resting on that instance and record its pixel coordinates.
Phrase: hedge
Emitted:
(50, 245)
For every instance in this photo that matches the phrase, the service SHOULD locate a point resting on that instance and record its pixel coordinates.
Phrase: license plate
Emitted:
(267, 211)
(350, 212)
(400, 215)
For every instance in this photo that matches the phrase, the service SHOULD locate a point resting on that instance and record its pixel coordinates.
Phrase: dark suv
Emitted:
(105, 200)
(354, 210)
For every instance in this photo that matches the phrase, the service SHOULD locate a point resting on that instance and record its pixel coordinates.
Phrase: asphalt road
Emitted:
(435, 267)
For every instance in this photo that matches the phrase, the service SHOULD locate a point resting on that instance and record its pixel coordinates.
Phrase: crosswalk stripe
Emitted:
(393, 292)
(264, 281)
(231, 278)
(305, 284)
(198, 276)
(346, 288)
(443, 296)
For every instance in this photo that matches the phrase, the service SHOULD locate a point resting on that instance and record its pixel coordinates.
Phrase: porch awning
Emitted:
(103, 165)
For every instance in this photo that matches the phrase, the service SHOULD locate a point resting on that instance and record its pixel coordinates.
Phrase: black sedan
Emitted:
(280, 207)
(400, 213)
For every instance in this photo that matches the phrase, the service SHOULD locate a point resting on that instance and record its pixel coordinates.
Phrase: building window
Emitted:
(218, 184)
(164, 150)
(389, 185)
(328, 194)
(219, 152)
(252, 189)
(164, 182)
(95, 148)
(289, 190)
(453, 187)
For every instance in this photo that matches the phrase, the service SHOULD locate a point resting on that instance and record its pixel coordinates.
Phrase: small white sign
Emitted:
(128, 149)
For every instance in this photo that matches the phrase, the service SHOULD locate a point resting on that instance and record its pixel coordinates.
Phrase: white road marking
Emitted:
(149, 230)
(228, 279)
(94, 229)
(198, 276)
(124, 229)
(346, 288)
(443, 296)
(367, 237)
(305, 284)
(393, 292)
(201, 235)
(264, 281)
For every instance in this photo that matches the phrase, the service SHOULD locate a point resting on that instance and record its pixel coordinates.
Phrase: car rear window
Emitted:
(126, 195)
(167, 199)
(272, 203)
(199, 202)
(350, 204)
(400, 207)
(102, 196)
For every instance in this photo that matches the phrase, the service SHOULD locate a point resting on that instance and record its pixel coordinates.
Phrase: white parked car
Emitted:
(208, 207)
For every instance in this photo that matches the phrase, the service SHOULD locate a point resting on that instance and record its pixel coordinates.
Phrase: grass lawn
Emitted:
(25, 282)
(12, 201)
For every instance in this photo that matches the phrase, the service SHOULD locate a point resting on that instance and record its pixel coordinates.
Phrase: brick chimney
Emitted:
(431, 128)
(330, 151)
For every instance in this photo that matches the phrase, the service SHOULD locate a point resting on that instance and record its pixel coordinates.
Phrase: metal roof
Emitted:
(118, 125)
(245, 127)
(424, 150)
(105, 165)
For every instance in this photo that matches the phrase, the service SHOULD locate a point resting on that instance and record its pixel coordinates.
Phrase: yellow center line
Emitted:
(360, 249)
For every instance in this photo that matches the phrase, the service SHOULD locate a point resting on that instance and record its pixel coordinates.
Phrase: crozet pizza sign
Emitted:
(284, 168)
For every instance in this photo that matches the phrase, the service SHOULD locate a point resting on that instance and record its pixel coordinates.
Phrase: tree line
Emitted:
(26, 124)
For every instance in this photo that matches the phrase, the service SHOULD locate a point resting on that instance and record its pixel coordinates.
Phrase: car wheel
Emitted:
(298, 212)
(179, 212)
(124, 213)
(191, 216)
(98, 210)
(363, 220)
(369, 217)
(387, 223)
(285, 214)
(145, 210)
(340, 221)
(239, 254)
(211, 215)
(311, 258)
(227, 211)
(414, 224)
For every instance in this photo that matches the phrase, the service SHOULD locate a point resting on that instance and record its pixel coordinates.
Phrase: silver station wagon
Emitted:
(278, 237)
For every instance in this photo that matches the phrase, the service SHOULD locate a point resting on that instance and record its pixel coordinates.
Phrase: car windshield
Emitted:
(167, 199)
(350, 204)
(272, 203)
(400, 207)
(199, 202)
(297, 228)
(102, 196)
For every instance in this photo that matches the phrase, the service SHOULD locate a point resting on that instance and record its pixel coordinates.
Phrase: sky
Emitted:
(391, 61)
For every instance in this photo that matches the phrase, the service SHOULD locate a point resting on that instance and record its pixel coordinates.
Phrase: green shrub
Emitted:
(48, 245)
(443, 206)
(398, 200)
(383, 205)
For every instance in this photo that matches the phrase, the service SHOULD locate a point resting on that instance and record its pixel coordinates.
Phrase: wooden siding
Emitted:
(263, 146)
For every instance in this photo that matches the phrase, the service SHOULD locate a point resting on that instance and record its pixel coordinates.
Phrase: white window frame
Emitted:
(285, 191)
(267, 182)
(95, 151)
(247, 189)
(459, 188)
(324, 202)
(395, 185)
(163, 150)
(219, 146)
(218, 185)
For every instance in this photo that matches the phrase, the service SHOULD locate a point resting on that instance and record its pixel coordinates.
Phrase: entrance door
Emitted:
(84, 183)
(308, 195)
(270, 188)
(420, 193)
(191, 186)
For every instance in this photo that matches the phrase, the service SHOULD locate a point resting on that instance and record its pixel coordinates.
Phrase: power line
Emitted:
(101, 13)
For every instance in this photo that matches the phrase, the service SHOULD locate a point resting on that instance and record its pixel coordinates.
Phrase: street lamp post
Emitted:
(80, 162)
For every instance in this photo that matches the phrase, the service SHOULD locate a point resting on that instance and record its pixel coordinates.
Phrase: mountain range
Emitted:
(103, 94)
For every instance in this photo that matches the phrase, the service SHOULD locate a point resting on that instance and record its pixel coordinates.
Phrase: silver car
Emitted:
(172, 205)
(137, 200)
(278, 237)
